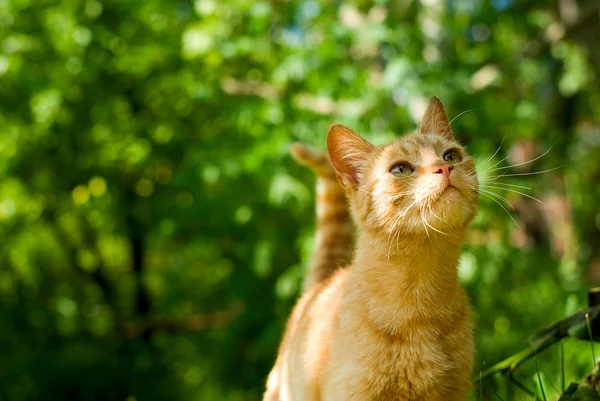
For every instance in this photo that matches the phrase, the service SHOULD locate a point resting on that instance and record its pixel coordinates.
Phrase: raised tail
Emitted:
(334, 231)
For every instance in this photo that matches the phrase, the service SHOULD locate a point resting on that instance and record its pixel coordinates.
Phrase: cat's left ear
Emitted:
(435, 120)
(348, 153)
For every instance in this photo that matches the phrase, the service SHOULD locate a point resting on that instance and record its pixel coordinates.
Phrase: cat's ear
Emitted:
(348, 153)
(435, 120)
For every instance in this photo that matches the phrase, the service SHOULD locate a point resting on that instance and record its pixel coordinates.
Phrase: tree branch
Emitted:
(194, 323)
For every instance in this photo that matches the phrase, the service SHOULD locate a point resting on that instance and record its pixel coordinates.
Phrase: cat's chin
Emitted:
(450, 190)
(445, 195)
(450, 209)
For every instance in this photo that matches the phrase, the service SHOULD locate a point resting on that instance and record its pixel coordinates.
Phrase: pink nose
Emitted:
(442, 169)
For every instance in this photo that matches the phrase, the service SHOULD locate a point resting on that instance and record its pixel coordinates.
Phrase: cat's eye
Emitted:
(452, 156)
(401, 169)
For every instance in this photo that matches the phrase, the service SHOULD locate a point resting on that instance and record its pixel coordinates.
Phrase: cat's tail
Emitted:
(334, 231)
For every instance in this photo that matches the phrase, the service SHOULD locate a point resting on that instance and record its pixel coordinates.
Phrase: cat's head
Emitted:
(419, 184)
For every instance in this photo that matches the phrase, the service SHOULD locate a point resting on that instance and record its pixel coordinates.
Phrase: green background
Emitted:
(154, 230)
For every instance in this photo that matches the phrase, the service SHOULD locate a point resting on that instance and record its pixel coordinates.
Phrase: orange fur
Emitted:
(334, 231)
(395, 325)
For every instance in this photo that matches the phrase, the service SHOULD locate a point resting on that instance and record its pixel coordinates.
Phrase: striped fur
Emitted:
(334, 230)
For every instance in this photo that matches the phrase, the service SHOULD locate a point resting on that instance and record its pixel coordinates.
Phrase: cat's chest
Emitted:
(405, 368)
(413, 365)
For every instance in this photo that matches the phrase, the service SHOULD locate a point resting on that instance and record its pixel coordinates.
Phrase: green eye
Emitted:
(452, 156)
(401, 169)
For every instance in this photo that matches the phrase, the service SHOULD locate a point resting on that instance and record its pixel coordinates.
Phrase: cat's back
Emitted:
(306, 342)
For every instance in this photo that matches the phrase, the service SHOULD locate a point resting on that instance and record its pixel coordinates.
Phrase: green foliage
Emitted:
(154, 229)
(587, 390)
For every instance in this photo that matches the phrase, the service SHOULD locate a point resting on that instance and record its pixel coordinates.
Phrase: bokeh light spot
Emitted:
(66, 307)
(97, 186)
(86, 259)
(243, 214)
(502, 325)
(162, 134)
(195, 42)
(93, 9)
(144, 187)
(193, 376)
(467, 267)
(80, 194)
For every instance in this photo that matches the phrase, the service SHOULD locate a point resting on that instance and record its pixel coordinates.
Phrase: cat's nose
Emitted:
(442, 169)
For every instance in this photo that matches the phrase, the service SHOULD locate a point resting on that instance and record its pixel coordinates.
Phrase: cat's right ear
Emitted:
(435, 120)
(348, 152)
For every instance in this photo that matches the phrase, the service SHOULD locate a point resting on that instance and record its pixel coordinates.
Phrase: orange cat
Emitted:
(395, 325)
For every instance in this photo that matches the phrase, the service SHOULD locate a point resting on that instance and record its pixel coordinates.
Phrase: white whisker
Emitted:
(501, 197)
(491, 167)
(395, 232)
(429, 225)
(521, 193)
(464, 112)
(484, 185)
(495, 153)
(409, 206)
(507, 212)
(523, 163)
(521, 174)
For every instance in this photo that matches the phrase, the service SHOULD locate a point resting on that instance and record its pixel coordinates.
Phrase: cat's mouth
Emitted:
(449, 187)
(448, 190)
(441, 195)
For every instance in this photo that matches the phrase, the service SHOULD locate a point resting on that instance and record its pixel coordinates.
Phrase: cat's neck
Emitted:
(407, 279)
